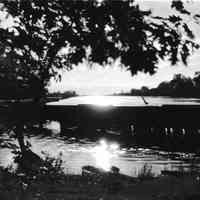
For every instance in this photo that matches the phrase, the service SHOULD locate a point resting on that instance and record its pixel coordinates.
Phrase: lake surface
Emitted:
(104, 153)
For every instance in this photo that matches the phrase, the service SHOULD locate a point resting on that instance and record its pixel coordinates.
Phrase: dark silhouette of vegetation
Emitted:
(61, 95)
(50, 35)
(51, 182)
(179, 86)
(17, 89)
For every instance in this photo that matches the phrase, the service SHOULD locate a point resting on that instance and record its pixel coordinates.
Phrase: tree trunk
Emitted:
(20, 136)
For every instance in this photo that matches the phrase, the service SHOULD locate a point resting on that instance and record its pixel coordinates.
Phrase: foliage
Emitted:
(54, 165)
(46, 169)
(55, 34)
(62, 95)
(179, 86)
(22, 184)
(15, 186)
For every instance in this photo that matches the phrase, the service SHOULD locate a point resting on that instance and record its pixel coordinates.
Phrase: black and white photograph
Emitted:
(99, 99)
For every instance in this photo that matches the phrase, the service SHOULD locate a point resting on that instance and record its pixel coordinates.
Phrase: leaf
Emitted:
(175, 19)
(188, 31)
(197, 16)
(178, 5)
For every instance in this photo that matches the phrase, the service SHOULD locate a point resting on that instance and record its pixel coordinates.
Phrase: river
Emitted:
(102, 152)
(125, 100)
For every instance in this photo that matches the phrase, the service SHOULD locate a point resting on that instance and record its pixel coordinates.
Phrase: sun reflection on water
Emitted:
(104, 152)
(100, 100)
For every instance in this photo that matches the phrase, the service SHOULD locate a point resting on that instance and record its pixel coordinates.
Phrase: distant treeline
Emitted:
(32, 89)
(179, 86)
(61, 95)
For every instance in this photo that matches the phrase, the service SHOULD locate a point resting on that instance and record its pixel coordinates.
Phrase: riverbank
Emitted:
(54, 184)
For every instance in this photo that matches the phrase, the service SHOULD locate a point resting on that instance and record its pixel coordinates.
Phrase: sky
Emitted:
(100, 80)
(113, 79)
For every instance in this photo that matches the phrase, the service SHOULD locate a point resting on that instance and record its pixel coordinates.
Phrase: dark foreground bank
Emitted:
(50, 182)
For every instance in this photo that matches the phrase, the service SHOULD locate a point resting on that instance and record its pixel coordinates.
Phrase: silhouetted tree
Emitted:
(54, 34)
(179, 86)
(144, 90)
(63, 95)
(163, 89)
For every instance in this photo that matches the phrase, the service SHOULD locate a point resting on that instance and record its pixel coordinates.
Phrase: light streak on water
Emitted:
(104, 152)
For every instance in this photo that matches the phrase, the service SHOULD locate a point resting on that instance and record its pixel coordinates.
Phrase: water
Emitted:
(103, 153)
(124, 101)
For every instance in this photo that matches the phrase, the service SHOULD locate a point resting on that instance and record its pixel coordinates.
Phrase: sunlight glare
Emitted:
(114, 146)
(104, 152)
(100, 100)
